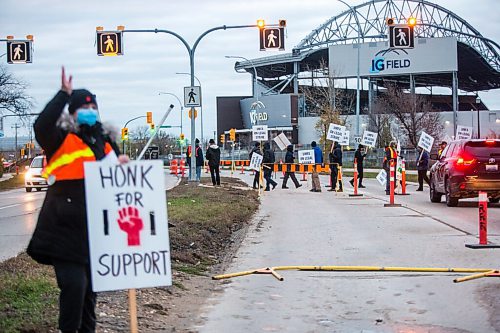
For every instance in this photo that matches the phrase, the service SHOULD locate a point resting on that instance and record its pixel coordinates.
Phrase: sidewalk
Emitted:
(6, 176)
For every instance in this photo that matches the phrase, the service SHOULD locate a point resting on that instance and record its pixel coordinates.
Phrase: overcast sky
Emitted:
(128, 86)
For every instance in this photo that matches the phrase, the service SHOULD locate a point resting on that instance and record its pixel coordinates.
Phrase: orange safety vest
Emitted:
(67, 162)
(394, 153)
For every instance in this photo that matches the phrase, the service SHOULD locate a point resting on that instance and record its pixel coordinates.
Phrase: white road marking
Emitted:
(9, 206)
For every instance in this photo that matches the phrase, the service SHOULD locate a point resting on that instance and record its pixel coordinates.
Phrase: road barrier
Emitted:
(478, 272)
(392, 178)
(183, 167)
(173, 167)
(483, 224)
(403, 178)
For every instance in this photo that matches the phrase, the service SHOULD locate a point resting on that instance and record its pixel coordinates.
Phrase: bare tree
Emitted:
(380, 123)
(13, 95)
(413, 113)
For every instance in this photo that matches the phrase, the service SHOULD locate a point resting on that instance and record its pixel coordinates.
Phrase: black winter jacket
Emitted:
(336, 156)
(61, 230)
(213, 155)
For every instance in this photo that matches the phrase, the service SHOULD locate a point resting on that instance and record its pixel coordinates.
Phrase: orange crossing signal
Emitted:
(109, 43)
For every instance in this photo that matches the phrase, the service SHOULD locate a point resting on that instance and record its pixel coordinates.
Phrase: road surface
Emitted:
(297, 227)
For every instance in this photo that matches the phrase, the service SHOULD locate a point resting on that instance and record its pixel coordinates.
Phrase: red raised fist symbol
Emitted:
(130, 222)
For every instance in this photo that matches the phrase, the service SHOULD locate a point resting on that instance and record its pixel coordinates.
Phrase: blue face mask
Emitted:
(86, 117)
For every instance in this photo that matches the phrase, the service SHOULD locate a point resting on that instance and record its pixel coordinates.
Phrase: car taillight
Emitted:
(490, 141)
(465, 161)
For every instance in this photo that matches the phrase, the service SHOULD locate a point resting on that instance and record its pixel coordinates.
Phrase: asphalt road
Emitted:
(297, 227)
(18, 215)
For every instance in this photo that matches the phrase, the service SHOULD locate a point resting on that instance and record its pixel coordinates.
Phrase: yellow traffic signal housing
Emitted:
(181, 136)
(232, 134)
(152, 126)
(124, 133)
(22, 152)
(149, 117)
(389, 21)
(412, 22)
(261, 23)
(222, 138)
(282, 23)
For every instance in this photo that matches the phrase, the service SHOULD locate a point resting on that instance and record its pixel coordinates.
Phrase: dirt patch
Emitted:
(207, 225)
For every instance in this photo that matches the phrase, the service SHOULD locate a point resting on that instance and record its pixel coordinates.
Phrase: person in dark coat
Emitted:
(335, 158)
(256, 178)
(318, 159)
(289, 159)
(60, 238)
(359, 157)
(268, 158)
(213, 158)
(422, 165)
(199, 159)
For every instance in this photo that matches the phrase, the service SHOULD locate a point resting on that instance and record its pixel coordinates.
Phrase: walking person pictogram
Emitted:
(402, 37)
(109, 44)
(271, 39)
(17, 52)
(191, 96)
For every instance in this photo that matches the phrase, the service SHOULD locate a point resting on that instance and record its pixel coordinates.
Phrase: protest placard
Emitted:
(426, 141)
(127, 225)
(282, 141)
(345, 138)
(259, 133)
(382, 177)
(464, 132)
(335, 132)
(369, 139)
(256, 161)
(306, 156)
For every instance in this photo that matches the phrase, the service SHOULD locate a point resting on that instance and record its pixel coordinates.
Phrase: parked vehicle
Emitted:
(33, 176)
(465, 168)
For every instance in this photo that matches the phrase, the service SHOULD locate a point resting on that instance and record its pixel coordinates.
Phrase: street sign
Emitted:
(272, 39)
(109, 43)
(357, 139)
(128, 236)
(19, 52)
(401, 36)
(152, 153)
(192, 96)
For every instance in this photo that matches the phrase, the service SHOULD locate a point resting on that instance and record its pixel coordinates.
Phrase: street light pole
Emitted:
(124, 126)
(201, 108)
(181, 105)
(358, 65)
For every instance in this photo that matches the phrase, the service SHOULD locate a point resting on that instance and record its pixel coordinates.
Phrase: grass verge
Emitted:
(15, 182)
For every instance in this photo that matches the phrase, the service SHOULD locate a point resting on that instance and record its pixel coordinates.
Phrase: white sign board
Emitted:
(430, 55)
(282, 141)
(464, 132)
(382, 177)
(128, 225)
(306, 156)
(369, 139)
(426, 141)
(192, 96)
(256, 161)
(345, 138)
(259, 133)
(335, 132)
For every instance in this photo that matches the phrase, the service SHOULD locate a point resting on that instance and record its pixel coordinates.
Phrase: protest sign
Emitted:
(127, 225)
(259, 133)
(282, 141)
(256, 161)
(426, 141)
(369, 139)
(306, 156)
(345, 138)
(464, 132)
(335, 132)
(382, 177)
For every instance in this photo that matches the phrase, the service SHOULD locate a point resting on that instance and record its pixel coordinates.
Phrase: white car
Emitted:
(33, 176)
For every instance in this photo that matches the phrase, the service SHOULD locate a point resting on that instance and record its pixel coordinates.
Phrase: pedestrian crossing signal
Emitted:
(401, 36)
(272, 38)
(19, 51)
(109, 43)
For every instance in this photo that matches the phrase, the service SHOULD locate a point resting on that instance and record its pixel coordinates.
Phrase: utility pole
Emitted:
(15, 127)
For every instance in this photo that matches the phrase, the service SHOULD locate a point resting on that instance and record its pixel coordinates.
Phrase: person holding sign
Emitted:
(390, 155)
(442, 146)
(256, 178)
(289, 159)
(213, 158)
(422, 165)
(318, 159)
(60, 238)
(269, 160)
(335, 158)
(359, 156)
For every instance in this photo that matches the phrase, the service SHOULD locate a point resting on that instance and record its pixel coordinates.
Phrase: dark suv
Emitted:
(464, 168)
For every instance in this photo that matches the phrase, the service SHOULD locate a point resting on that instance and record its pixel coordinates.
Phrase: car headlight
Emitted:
(28, 175)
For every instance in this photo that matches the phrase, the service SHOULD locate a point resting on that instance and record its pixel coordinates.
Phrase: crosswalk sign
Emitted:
(272, 39)
(19, 52)
(192, 97)
(401, 36)
(109, 43)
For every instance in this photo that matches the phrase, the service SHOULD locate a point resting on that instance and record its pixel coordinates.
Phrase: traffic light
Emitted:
(181, 136)
(149, 117)
(232, 134)
(152, 126)
(389, 21)
(222, 138)
(261, 24)
(109, 43)
(282, 23)
(19, 51)
(22, 152)
(124, 134)
(412, 21)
